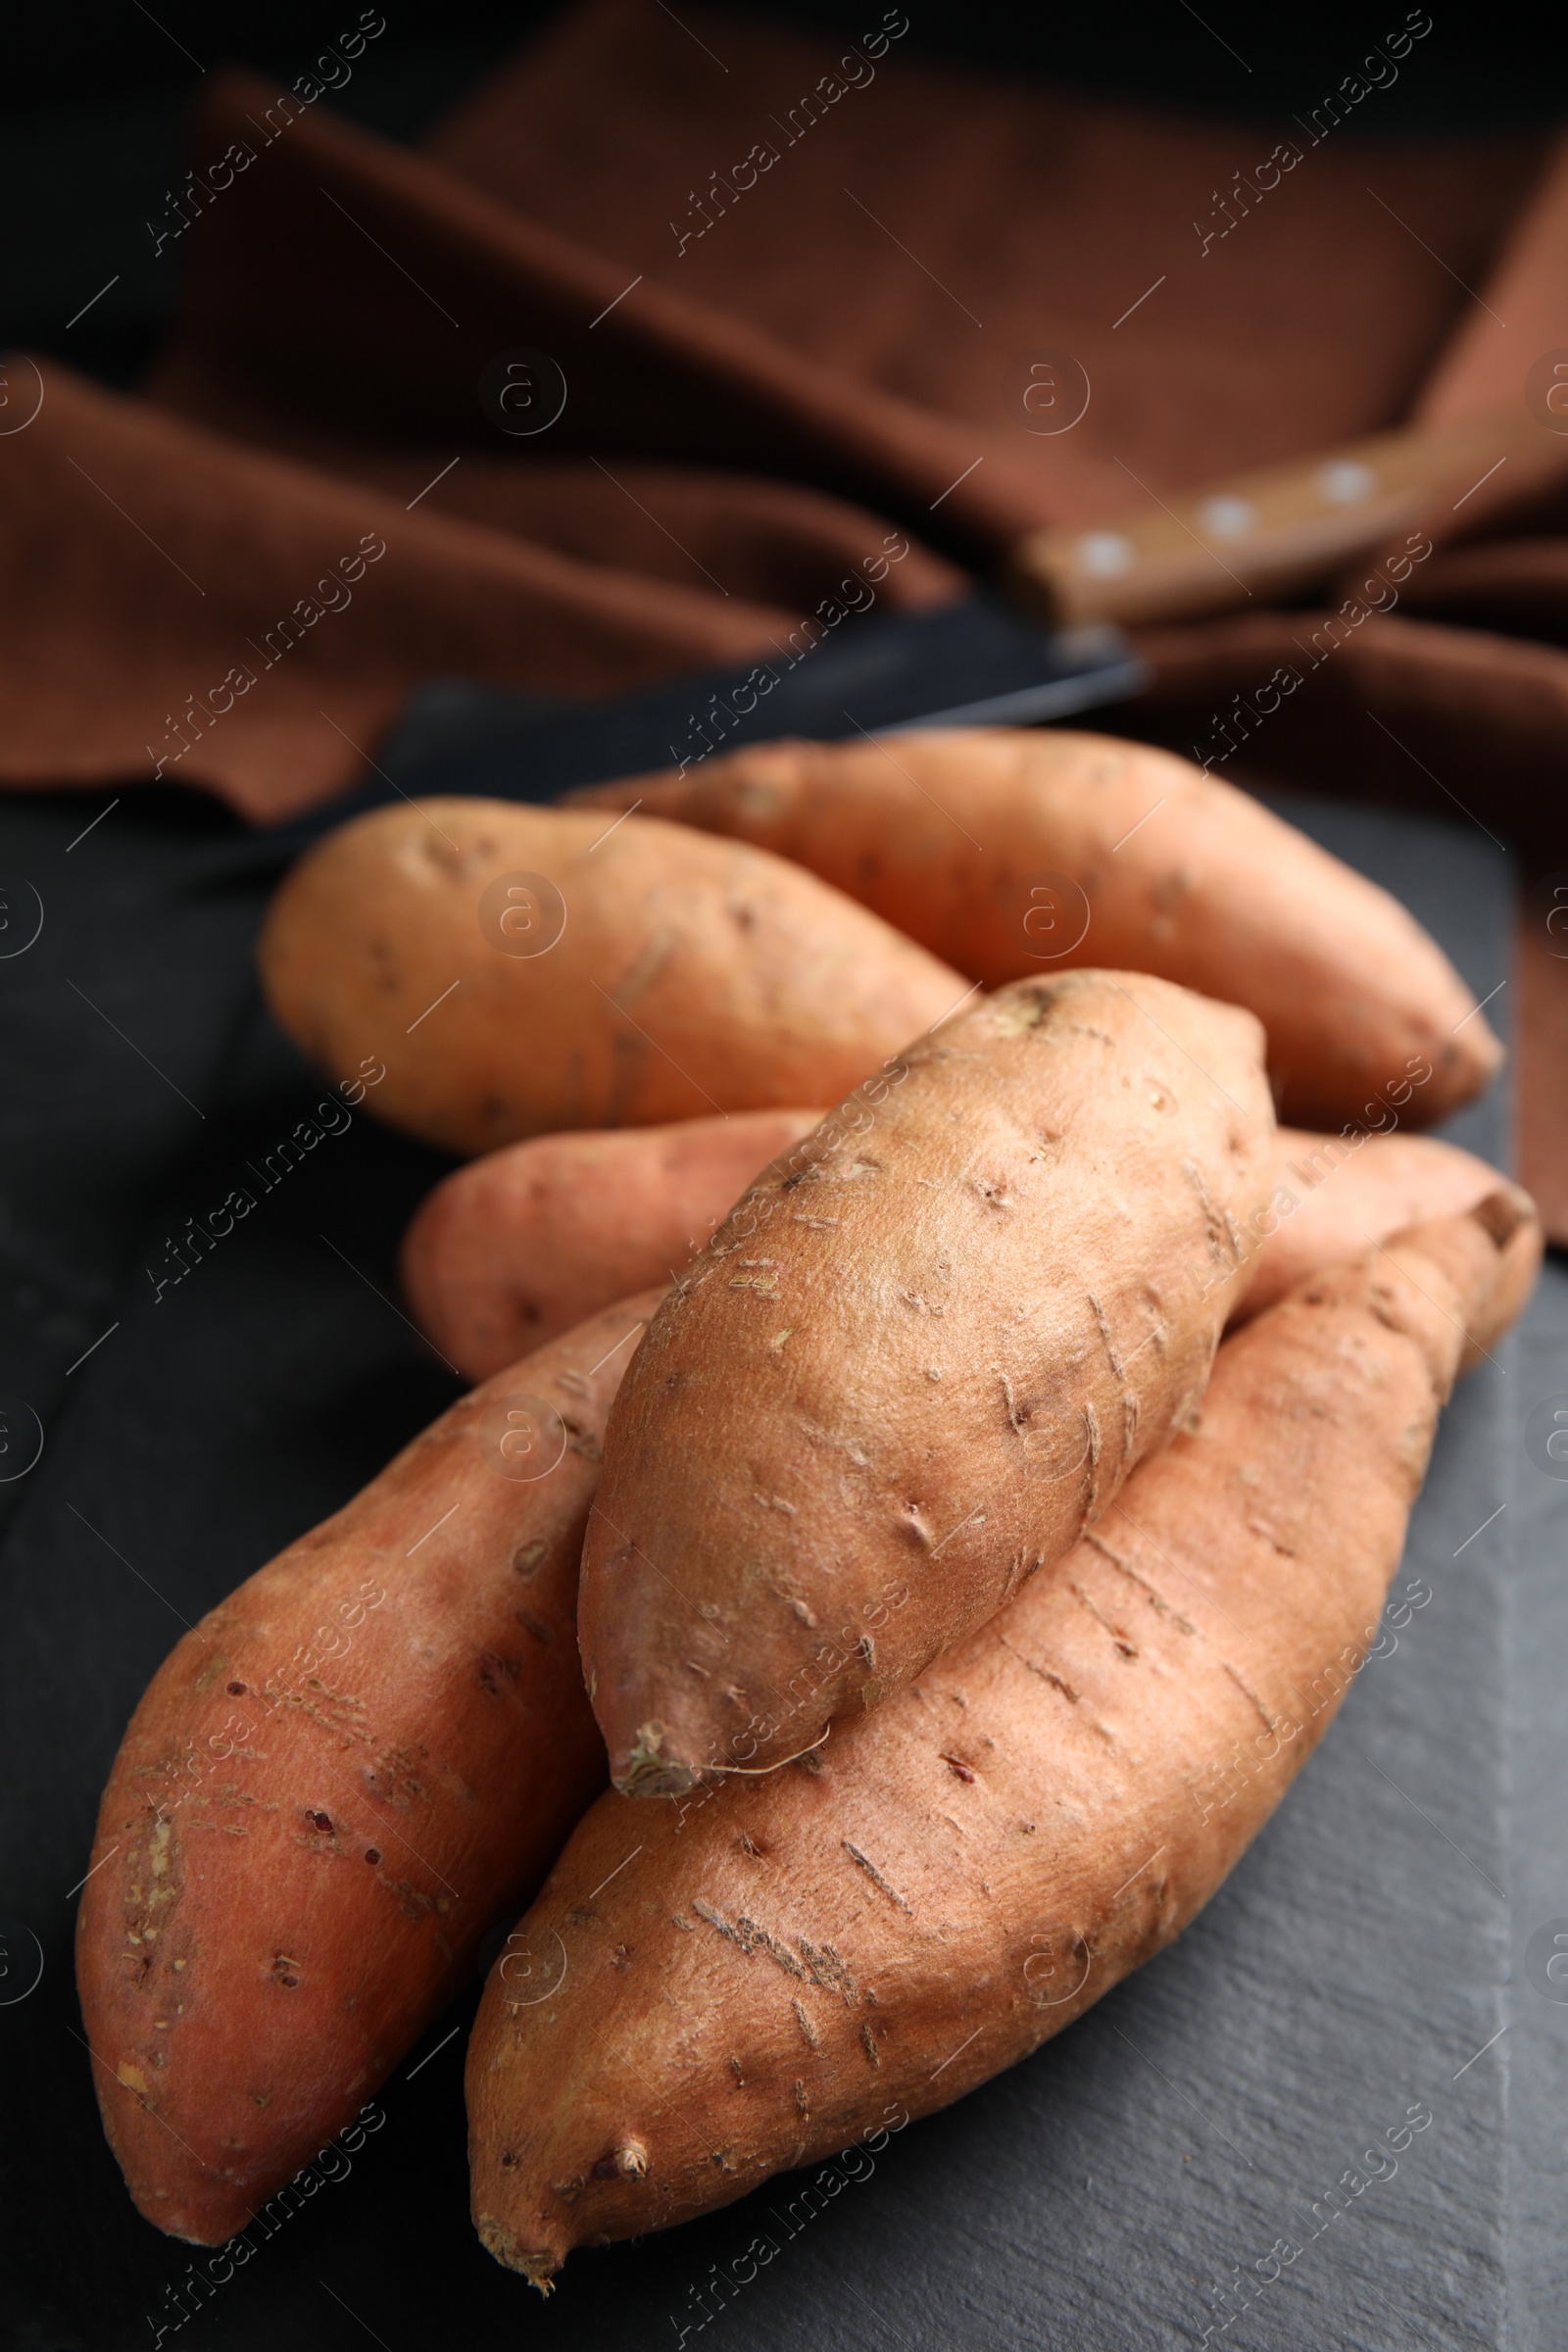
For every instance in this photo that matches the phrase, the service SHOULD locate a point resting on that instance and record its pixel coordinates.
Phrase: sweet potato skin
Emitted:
(709, 1992)
(637, 976)
(961, 837)
(332, 1788)
(522, 1243)
(1013, 1252)
(1334, 1193)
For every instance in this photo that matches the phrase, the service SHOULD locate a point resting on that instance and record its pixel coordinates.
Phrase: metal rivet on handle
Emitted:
(1345, 481)
(1103, 554)
(1227, 517)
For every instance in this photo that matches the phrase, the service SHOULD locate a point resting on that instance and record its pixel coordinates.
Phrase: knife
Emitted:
(976, 663)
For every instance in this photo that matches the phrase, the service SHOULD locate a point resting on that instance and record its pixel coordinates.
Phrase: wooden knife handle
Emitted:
(1264, 535)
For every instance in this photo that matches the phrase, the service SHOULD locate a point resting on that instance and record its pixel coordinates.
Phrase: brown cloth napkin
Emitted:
(794, 287)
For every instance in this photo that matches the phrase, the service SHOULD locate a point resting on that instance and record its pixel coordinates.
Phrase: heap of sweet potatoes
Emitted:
(952, 1612)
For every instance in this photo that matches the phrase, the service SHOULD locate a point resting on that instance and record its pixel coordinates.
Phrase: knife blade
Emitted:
(976, 663)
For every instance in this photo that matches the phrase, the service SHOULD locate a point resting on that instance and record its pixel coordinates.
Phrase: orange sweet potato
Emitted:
(336, 1782)
(522, 970)
(706, 1993)
(1009, 852)
(522, 1243)
(1334, 1193)
(1014, 1253)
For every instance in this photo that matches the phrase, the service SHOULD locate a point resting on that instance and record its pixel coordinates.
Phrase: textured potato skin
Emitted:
(325, 1800)
(691, 975)
(1333, 1194)
(1013, 1251)
(945, 832)
(754, 1978)
(523, 1242)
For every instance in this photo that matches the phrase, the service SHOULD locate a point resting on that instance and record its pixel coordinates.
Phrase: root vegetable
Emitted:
(518, 970)
(758, 1976)
(335, 1784)
(1334, 1194)
(523, 1242)
(1012, 1254)
(1010, 851)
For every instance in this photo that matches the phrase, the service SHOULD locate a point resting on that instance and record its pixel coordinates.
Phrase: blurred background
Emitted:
(93, 115)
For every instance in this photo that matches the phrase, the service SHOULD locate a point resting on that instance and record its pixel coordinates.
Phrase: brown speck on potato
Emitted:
(372, 1854)
(236, 1689)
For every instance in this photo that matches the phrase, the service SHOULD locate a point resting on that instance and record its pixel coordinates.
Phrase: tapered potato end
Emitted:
(538, 2269)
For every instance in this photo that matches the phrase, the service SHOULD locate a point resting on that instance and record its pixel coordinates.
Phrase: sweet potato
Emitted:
(522, 970)
(524, 1242)
(1008, 852)
(336, 1782)
(1013, 1253)
(707, 1993)
(1334, 1193)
